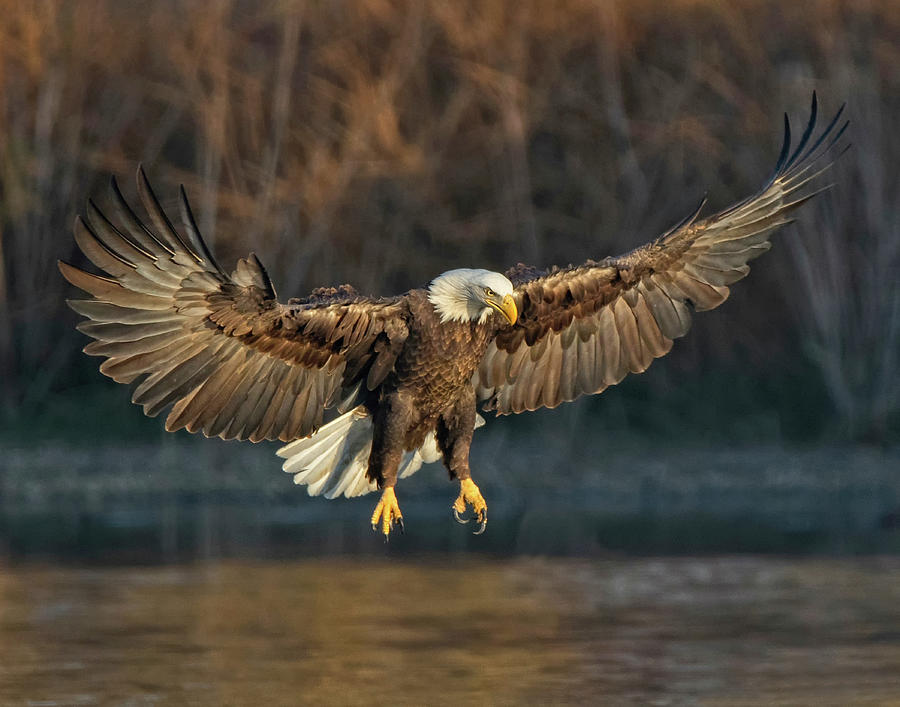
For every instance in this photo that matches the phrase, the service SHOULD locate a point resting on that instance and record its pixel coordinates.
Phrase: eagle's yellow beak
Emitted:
(506, 307)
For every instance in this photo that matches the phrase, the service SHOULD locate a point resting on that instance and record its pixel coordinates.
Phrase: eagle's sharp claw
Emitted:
(387, 513)
(458, 517)
(469, 495)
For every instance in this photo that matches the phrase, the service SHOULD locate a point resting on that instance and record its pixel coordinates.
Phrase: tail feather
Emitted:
(352, 480)
(329, 459)
(334, 461)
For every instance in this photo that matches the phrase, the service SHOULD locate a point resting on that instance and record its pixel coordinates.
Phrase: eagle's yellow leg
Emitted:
(387, 511)
(471, 496)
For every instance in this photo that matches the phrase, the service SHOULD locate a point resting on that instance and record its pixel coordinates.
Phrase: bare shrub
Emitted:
(384, 142)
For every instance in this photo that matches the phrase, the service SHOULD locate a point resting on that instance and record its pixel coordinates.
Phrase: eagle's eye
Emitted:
(488, 291)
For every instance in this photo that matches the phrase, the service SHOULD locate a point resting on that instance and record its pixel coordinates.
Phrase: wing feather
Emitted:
(654, 344)
(290, 383)
(568, 372)
(610, 349)
(584, 328)
(553, 373)
(186, 412)
(233, 397)
(135, 230)
(247, 416)
(219, 350)
(176, 381)
(586, 371)
(104, 312)
(119, 331)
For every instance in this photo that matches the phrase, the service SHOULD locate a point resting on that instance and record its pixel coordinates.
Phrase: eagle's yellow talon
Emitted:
(387, 511)
(470, 495)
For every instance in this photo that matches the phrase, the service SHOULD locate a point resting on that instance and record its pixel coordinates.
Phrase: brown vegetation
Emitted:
(382, 142)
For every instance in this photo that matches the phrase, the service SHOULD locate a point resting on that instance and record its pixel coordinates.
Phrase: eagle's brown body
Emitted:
(430, 389)
(406, 373)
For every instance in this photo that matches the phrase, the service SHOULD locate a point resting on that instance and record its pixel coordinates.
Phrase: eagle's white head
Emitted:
(472, 295)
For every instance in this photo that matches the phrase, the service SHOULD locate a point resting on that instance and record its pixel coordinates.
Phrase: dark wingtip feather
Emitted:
(193, 231)
(158, 216)
(785, 145)
(116, 192)
(687, 220)
(844, 149)
(810, 126)
(141, 176)
(839, 135)
(270, 289)
(825, 134)
(133, 225)
(102, 226)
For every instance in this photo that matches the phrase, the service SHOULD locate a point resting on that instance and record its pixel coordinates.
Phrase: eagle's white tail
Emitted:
(334, 460)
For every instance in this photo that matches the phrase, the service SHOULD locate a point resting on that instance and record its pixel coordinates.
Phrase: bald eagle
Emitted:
(405, 374)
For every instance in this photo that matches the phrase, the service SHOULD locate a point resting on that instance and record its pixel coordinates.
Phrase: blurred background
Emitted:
(749, 479)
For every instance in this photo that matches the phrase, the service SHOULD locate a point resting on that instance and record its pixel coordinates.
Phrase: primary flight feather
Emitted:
(405, 373)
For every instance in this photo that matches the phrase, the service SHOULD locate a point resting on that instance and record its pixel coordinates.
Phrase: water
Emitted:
(444, 630)
(195, 573)
(196, 499)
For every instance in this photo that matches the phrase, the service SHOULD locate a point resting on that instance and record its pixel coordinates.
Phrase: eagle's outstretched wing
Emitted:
(233, 361)
(584, 328)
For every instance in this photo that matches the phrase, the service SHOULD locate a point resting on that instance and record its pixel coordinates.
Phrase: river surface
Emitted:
(195, 573)
(719, 630)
